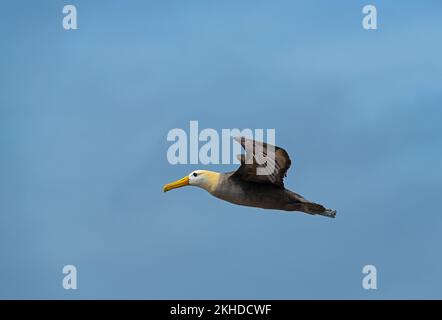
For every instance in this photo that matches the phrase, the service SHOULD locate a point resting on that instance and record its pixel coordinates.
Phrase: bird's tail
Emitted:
(299, 203)
(314, 208)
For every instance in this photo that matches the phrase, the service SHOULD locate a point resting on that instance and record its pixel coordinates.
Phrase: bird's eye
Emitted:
(194, 174)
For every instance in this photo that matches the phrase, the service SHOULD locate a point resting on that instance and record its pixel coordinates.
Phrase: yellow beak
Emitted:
(177, 184)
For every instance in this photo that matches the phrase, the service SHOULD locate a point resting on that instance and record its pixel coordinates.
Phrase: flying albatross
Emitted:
(248, 186)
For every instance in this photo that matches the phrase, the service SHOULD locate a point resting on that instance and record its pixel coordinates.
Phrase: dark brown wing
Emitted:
(262, 163)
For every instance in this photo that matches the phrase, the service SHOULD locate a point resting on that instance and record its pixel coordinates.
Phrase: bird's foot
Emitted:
(329, 213)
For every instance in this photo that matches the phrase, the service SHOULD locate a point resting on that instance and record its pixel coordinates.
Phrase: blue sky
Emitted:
(84, 116)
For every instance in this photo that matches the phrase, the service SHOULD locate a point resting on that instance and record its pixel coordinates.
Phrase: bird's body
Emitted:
(266, 196)
(245, 187)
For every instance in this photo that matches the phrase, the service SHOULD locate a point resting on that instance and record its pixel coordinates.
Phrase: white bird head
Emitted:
(199, 178)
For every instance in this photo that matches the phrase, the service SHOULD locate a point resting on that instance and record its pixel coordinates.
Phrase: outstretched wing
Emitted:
(262, 163)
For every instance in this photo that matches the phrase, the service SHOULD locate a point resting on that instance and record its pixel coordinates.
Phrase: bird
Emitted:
(248, 187)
